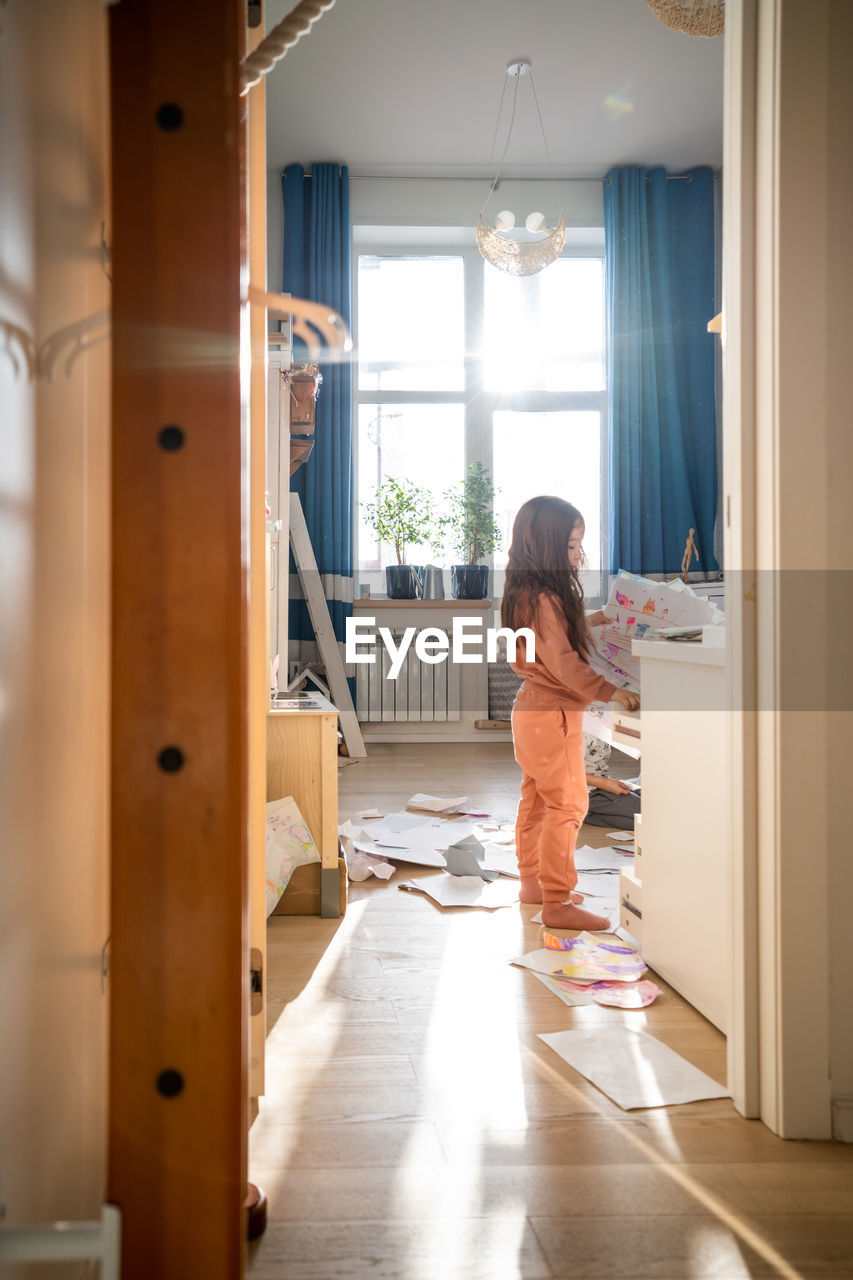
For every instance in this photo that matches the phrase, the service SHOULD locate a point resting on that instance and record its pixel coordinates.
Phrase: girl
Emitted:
(543, 592)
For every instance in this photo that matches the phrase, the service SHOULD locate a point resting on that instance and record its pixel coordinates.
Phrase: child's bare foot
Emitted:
(531, 891)
(565, 915)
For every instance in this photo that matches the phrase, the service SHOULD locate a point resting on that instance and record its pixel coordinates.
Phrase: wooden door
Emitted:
(179, 973)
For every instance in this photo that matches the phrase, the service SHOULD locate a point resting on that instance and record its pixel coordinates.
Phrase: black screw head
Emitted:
(171, 759)
(169, 116)
(170, 1083)
(171, 438)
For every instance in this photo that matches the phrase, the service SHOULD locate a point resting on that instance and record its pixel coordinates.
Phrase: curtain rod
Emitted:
(388, 177)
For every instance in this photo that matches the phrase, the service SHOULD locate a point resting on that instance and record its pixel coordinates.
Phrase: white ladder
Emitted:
(327, 643)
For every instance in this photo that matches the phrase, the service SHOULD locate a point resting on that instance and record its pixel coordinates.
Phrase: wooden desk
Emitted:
(302, 761)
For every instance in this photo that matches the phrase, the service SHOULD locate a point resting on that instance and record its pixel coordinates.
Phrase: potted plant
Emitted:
(469, 527)
(401, 513)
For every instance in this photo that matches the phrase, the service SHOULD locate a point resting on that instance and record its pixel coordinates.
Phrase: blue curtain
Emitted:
(659, 247)
(317, 266)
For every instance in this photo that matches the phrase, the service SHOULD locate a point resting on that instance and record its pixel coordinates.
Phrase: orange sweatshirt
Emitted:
(559, 676)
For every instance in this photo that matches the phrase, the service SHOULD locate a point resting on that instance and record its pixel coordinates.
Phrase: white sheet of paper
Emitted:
(465, 891)
(401, 821)
(413, 857)
(466, 858)
(370, 813)
(546, 961)
(427, 833)
(620, 835)
(589, 859)
(632, 1067)
(601, 892)
(501, 859)
(435, 804)
(568, 997)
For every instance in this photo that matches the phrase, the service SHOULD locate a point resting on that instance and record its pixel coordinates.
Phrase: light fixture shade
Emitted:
(692, 17)
(520, 259)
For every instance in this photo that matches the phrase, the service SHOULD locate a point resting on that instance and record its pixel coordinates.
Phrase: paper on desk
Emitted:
(370, 813)
(435, 804)
(632, 1067)
(465, 858)
(620, 835)
(465, 891)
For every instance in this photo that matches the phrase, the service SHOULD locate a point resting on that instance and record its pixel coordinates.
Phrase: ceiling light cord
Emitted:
(544, 138)
(496, 178)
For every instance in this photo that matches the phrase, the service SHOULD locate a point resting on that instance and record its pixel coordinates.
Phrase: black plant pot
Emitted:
(400, 582)
(470, 581)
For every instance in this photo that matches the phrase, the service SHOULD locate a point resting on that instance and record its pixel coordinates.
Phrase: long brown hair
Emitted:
(539, 563)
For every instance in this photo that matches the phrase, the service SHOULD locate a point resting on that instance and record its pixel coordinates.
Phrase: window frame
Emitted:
(478, 403)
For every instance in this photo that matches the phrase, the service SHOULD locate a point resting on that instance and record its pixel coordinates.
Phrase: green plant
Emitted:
(468, 524)
(400, 513)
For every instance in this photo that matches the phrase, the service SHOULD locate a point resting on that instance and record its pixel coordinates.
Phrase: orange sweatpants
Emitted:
(548, 744)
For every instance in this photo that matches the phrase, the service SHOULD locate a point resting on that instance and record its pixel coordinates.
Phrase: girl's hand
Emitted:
(630, 701)
(615, 786)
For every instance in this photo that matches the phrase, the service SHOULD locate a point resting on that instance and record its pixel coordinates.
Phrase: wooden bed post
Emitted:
(178, 974)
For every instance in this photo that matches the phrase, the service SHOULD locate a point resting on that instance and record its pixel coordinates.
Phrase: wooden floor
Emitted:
(415, 1128)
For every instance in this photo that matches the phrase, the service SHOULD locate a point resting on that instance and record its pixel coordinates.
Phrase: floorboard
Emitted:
(416, 1128)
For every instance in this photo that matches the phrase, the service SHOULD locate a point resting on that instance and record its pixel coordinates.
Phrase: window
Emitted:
(461, 363)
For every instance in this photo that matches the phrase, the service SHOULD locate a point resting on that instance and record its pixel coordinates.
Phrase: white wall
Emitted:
(443, 202)
(54, 612)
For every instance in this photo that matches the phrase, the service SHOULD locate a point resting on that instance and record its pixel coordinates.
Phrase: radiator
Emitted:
(423, 691)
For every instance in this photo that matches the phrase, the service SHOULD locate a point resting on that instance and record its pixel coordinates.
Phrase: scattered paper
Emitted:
(594, 962)
(632, 1067)
(619, 835)
(370, 813)
(589, 859)
(349, 830)
(501, 859)
(417, 831)
(503, 835)
(627, 850)
(465, 891)
(437, 805)
(360, 866)
(570, 993)
(590, 957)
(624, 995)
(415, 857)
(407, 821)
(465, 858)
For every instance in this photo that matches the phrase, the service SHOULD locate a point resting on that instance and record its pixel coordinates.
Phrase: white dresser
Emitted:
(682, 867)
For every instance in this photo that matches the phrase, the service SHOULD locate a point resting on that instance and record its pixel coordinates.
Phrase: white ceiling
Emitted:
(412, 87)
